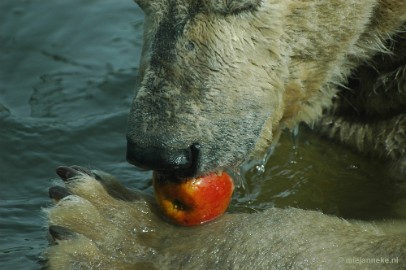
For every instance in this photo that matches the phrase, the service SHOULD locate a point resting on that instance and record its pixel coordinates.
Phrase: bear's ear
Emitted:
(227, 7)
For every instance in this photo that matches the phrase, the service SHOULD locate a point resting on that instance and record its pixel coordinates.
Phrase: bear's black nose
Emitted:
(182, 162)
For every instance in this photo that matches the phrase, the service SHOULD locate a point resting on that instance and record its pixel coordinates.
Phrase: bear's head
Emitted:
(210, 82)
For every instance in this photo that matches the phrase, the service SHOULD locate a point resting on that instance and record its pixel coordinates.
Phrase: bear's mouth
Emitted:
(178, 177)
(191, 171)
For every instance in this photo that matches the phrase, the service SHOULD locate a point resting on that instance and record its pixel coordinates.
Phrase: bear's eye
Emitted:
(190, 45)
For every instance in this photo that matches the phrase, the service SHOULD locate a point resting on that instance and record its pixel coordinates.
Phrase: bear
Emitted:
(228, 76)
(218, 81)
(99, 224)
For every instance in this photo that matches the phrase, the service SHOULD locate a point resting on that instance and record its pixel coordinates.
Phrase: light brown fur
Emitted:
(255, 72)
(111, 227)
(231, 75)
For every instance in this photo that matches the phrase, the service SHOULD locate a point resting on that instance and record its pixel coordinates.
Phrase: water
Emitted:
(312, 173)
(67, 71)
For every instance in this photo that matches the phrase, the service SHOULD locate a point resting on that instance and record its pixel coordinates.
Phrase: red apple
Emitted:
(193, 201)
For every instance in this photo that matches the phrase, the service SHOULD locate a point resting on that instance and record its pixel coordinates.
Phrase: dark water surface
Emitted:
(67, 71)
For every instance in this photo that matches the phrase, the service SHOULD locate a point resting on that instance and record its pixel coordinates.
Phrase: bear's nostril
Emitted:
(182, 162)
(158, 158)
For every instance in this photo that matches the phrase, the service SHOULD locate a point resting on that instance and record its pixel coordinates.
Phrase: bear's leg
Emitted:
(370, 115)
(385, 139)
(98, 224)
(92, 214)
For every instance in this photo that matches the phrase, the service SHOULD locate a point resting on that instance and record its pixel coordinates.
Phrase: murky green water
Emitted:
(312, 173)
(67, 71)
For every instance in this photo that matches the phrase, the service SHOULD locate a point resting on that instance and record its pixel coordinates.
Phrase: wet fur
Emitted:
(111, 227)
(232, 78)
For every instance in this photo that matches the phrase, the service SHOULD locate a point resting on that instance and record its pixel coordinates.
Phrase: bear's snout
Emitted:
(165, 159)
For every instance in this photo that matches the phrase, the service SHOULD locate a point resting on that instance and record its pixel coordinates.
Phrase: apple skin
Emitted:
(193, 201)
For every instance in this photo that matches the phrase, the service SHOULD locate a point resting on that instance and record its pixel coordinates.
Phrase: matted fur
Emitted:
(111, 227)
(231, 75)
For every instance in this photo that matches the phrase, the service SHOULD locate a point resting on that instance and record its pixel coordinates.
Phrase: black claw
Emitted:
(97, 177)
(83, 170)
(57, 192)
(65, 173)
(86, 171)
(60, 233)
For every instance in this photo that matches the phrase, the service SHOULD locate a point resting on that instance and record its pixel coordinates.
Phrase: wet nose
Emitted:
(183, 162)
